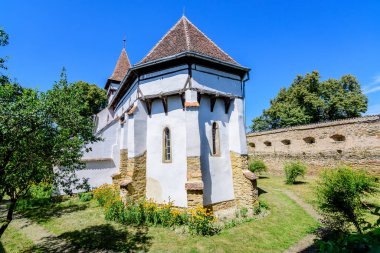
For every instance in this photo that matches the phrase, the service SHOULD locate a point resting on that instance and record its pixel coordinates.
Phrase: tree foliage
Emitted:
(3, 42)
(310, 100)
(42, 137)
(94, 97)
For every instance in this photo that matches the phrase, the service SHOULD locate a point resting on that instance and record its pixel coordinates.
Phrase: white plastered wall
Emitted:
(216, 170)
(167, 180)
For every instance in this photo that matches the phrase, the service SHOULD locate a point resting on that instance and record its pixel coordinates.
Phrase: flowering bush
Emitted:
(105, 194)
(146, 212)
(201, 222)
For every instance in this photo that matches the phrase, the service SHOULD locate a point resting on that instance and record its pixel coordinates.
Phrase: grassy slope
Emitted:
(83, 224)
(14, 241)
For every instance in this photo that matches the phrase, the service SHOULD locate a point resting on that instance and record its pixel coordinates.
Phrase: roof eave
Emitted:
(140, 66)
(194, 54)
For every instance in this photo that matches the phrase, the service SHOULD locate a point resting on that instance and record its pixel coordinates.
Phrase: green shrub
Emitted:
(145, 212)
(340, 193)
(106, 194)
(352, 243)
(85, 196)
(294, 170)
(258, 166)
(38, 195)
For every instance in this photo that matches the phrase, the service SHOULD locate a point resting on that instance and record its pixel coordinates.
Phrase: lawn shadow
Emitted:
(45, 213)
(101, 238)
(263, 177)
(300, 182)
(311, 249)
(2, 250)
(261, 191)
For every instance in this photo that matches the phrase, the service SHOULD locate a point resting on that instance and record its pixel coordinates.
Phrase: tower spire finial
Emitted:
(124, 41)
(184, 11)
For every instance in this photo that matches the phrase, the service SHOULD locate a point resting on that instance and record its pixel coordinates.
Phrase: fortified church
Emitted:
(174, 126)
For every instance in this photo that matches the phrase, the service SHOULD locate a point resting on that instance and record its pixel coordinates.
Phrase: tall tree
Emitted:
(42, 137)
(309, 100)
(3, 42)
(94, 97)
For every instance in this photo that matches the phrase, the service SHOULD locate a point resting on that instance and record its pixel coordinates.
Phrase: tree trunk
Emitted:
(9, 217)
(357, 226)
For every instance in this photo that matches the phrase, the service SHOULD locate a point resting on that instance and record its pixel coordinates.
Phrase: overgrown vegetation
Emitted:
(310, 100)
(294, 169)
(37, 195)
(145, 212)
(257, 166)
(340, 194)
(85, 196)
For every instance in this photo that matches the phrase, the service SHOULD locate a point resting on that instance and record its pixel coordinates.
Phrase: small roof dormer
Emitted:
(122, 66)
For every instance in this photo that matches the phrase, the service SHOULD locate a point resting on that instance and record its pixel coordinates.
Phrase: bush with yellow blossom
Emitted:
(146, 212)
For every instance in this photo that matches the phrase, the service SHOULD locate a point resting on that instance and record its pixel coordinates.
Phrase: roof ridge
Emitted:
(162, 38)
(209, 39)
(188, 42)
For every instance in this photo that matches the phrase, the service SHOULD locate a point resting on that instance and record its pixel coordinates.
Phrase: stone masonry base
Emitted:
(246, 193)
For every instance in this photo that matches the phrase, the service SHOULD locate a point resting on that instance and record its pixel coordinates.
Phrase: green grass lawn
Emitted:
(83, 225)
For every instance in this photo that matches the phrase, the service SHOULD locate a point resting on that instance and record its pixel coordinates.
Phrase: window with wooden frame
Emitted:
(215, 139)
(166, 146)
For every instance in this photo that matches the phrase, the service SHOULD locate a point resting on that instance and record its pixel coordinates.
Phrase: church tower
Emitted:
(177, 130)
(121, 69)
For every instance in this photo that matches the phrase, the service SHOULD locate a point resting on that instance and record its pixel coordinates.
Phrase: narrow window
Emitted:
(252, 144)
(338, 137)
(286, 142)
(268, 143)
(167, 148)
(309, 140)
(215, 139)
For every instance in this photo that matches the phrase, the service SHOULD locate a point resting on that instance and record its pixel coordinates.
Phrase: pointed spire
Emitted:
(121, 68)
(182, 37)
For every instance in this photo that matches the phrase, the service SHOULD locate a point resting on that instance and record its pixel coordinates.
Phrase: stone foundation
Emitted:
(245, 190)
(194, 184)
(135, 178)
(222, 205)
(117, 178)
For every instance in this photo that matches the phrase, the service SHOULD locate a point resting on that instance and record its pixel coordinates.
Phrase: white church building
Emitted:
(174, 126)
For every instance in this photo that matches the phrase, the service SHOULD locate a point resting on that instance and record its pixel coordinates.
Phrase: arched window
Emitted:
(286, 142)
(215, 139)
(252, 144)
(167, 147)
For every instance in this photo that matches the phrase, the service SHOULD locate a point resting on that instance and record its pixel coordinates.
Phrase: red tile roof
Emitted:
(121, 67)
(182, 37)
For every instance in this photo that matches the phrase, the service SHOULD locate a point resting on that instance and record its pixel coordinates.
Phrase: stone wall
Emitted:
(194, 185)
(245, 189)
(135, 179)
(354, 142)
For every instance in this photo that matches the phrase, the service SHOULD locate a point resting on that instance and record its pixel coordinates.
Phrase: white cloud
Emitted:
(374, 86)
(373, 109)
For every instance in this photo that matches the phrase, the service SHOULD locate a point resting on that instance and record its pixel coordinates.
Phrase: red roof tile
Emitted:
(121, 67)
(182, 37)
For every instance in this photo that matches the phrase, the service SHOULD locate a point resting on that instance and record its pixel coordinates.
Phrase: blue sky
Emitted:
(276, 39)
